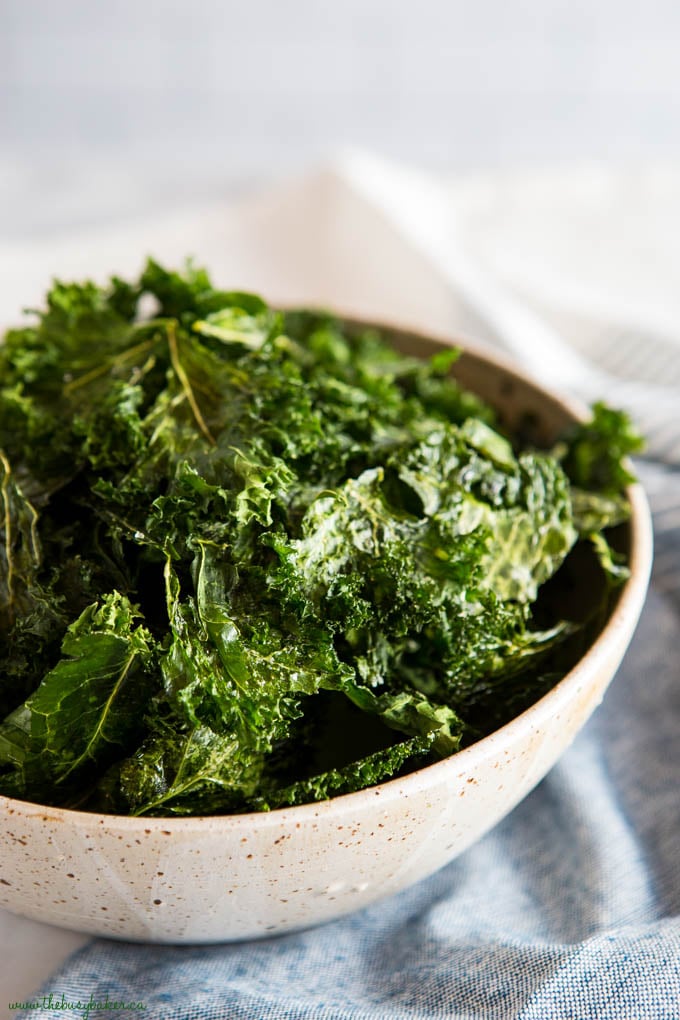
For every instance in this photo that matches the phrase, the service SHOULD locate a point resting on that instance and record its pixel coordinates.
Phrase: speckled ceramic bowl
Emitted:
(243, 876)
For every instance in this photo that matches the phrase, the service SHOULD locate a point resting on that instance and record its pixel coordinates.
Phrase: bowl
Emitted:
(226, 878)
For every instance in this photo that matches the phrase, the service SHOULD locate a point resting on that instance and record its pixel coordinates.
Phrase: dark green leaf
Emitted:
(595, 452)
(312, 529)
(84, 709)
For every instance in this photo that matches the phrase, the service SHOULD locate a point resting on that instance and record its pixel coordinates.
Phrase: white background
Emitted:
(110, 108)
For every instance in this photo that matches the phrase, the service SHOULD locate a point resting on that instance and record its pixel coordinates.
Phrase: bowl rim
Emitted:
(462, 763)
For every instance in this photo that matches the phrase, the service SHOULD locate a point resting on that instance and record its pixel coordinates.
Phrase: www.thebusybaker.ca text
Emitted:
(85, 1008)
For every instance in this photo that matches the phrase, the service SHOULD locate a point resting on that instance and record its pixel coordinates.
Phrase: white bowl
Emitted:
(211, 879)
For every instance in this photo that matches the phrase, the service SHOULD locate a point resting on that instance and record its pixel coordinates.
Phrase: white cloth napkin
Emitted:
(575, 274)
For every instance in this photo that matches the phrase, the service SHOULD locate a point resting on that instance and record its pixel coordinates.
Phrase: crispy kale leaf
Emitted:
(85, 709)
(596, 451)
(30, 617)
(250, 559)
(594, 457)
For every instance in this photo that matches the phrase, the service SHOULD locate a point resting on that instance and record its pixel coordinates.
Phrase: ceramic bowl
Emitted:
(211, 879)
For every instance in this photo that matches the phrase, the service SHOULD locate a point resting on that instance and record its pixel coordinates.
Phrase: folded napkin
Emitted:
(570, 908)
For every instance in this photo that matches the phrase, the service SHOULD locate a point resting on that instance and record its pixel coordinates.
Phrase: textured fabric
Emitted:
(568, 910)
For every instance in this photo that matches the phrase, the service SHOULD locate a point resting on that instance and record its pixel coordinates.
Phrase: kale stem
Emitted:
(184, 380)
(8, 530)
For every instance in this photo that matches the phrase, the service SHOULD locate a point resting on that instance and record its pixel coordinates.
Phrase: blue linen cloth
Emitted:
(568, 910)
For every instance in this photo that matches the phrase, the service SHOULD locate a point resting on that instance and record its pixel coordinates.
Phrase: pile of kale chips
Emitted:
(251, 559)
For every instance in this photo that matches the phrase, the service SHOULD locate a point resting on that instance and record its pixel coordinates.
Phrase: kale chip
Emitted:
(250, 559)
